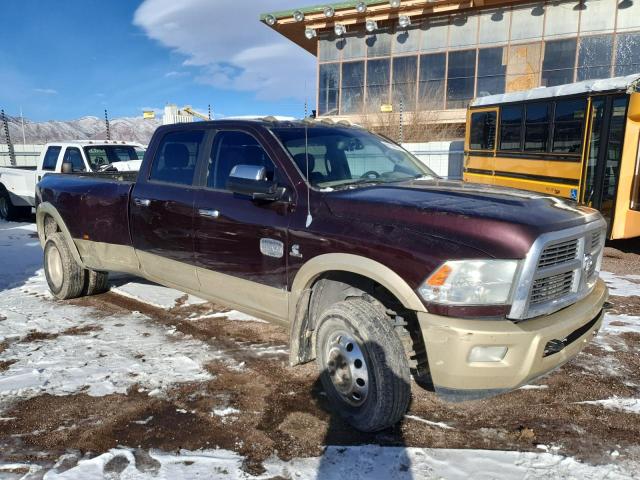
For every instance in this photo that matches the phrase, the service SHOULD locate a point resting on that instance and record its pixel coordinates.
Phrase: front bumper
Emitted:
(449, 342)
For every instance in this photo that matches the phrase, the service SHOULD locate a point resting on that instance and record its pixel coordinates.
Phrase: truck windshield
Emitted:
(346, 156)
(100, 156)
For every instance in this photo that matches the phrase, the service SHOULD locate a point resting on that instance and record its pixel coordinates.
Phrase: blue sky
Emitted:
(64, 59)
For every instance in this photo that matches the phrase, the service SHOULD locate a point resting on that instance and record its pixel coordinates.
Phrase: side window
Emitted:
(511, 128)
(51, 158)
(536, 134)
(483, 131)
(176, 157)
(73, 156)
(235, 148)
(567, 130)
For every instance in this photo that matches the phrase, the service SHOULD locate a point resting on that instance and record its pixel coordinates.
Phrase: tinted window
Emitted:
(594, 57)
(73, 156)
(231, 149)
(491, 71)
(102, 156)
(559, 60)
(51, 158)
(378, 79)
(536, 128)
(567, 130)
(352, 87)
(461, 78)
(628, 54)
(511, 127)
(176, 157)
(328, 89)
(432, 75)
(483, 131)
(405, 74)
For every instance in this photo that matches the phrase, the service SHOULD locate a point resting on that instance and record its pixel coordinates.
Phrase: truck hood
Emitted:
(502, 222)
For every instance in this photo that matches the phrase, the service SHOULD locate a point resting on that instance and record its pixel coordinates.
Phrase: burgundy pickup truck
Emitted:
(379, 268)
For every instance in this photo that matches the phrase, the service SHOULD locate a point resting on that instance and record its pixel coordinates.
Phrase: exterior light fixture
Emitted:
(371, 26)
(339, 29)
(361, 7)
(310, 33)
(329, 11)
(298, 16)
(404, 21)
(394, 3)
(271, 20)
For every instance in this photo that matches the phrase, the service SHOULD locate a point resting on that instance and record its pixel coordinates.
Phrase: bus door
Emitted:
(601, 168)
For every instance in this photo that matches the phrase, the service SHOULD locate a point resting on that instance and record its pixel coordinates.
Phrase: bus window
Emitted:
(483, 131)
(567, 129)
(511, 127)
(536, 129)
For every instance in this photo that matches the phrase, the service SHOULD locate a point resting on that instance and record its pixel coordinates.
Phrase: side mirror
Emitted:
(67, 167)
(251, 180)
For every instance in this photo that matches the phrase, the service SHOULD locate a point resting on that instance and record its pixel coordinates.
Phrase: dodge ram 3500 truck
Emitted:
(379, 268)
(18, 184)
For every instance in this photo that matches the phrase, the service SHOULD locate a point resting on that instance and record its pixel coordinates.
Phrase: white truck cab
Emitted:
(18, 184)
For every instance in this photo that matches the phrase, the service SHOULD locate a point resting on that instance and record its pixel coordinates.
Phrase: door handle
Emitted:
(209, 213)
(142, 202)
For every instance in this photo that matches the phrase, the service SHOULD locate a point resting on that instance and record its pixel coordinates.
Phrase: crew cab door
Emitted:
(241, 244)
(161, 209)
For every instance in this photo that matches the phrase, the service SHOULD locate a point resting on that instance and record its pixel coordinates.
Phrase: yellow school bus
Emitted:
(578, 141)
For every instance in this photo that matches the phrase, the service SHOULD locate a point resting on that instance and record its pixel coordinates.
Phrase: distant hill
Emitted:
(132, 129)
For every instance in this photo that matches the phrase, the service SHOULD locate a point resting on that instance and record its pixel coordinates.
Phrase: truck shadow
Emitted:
(353, 454)
(20, 254)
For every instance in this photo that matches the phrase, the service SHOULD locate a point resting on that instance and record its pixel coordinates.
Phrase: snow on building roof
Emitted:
(630, 82)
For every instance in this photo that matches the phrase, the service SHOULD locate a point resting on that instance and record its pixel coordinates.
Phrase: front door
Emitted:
(241, 244)
(162, 211)
(602, 165)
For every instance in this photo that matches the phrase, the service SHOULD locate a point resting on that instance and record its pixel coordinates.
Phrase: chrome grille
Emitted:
(551, 288)
(595, 240)
(558, 253)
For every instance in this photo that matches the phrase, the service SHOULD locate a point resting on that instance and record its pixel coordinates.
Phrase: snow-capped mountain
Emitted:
(132, 129)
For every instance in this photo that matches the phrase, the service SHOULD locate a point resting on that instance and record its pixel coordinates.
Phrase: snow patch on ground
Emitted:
(429, 422)
(631, 405)
(622, 285)
(153, 294)
(229, 315)
(617, 324)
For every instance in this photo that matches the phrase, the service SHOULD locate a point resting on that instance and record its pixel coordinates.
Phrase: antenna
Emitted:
(24, 138)
(106, 122)
(306, 156)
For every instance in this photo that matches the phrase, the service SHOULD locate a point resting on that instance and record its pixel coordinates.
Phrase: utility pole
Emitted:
(106, 122)
(24, 138)
(209, 111)
(401, 133)
(12, 153)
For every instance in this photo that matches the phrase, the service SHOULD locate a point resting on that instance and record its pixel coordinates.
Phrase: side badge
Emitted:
(271, 248)
(295, 251)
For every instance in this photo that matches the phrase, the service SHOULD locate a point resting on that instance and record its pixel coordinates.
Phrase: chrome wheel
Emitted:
(4, 208)
(54, 267)
(347, 368)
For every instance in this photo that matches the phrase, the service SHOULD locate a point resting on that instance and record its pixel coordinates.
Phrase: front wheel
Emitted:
(363, 366)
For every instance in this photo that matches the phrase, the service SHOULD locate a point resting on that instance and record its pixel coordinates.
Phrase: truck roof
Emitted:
(271, 121)
(94, 142)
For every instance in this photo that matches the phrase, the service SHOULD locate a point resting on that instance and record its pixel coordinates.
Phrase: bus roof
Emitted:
(628, 83)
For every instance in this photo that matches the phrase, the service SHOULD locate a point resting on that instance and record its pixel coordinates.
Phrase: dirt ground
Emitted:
(281, 410)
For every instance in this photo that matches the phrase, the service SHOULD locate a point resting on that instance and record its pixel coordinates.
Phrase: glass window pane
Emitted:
(405, 76)
(483, 131)
(432, 75)
(378, 79)
(51, 158)
(379, 43)
(435, 34)
(460, 78)
(511, 127)
(328, 89)
(406, 40)
(491, 71)
(628, 54)
(494, 26)
(352, 87)
(176, 157)
(594, 57)
(328, 49)
(567, 131)
(463, 31)
(559, 61)
(354, 46)
(536, 128)
(527, 22)
(628, 15)
(561, 19)
(523, 66)
(598, 16)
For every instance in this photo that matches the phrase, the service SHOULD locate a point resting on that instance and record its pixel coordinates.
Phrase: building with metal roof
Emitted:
(430, 58)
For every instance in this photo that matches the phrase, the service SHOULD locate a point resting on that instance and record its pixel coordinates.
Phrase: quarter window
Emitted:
(536, 134)
(483, 131)
(176, 157)
(51, 158)
(511, 128)
(567, 130)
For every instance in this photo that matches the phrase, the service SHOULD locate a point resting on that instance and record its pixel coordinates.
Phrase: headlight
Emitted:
(470, 282)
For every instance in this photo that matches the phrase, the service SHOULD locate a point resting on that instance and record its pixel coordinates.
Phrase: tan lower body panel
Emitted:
(449, 342)
(108, 256)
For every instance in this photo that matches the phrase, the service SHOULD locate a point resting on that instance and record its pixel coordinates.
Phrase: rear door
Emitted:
(241, 244)
(161, 210)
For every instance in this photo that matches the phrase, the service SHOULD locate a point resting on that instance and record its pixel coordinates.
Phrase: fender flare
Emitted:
(42, 211)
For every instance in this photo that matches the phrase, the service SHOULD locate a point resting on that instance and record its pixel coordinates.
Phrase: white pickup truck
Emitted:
(18, 184)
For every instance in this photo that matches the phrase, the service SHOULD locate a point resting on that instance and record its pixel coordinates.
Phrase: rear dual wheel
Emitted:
(8, 211)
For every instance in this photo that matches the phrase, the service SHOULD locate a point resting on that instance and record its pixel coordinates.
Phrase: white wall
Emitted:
(26, 155)
(444, 158)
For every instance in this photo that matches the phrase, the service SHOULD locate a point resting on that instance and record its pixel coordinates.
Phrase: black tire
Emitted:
(95, 282)
(65, 277)
(8, 211)
(381, 399)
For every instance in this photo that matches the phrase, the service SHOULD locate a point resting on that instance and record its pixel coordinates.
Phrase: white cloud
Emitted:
(46, 91)
(175, 74)
(231, 48)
